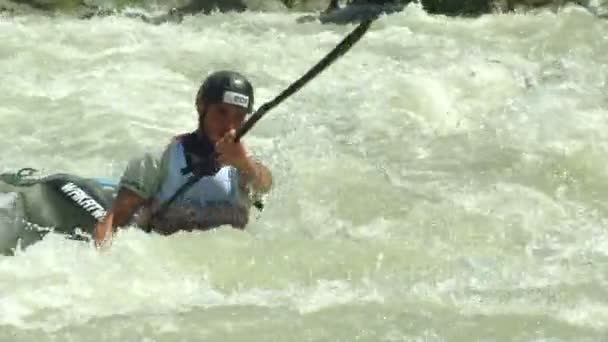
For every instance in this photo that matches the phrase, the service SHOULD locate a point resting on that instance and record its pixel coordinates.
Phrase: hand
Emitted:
(103, 233)
(231, 152)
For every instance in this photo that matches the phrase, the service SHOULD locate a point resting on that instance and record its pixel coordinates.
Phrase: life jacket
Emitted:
(215, 199)
(220, 188)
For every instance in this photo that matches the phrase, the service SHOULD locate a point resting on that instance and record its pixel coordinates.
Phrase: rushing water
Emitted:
(443, 181)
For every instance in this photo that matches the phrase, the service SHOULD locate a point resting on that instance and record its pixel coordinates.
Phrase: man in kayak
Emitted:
(230, 178)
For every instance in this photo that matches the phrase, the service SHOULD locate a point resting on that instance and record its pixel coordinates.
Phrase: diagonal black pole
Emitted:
(345, 45)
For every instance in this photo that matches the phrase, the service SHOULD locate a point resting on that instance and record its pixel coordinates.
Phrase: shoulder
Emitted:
(144, 173)
(180, 138)
(175, 143)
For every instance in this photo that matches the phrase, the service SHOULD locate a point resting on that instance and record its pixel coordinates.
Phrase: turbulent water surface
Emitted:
(444, 181)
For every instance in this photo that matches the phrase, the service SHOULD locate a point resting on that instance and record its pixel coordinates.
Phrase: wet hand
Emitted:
(231, 152)
(103, 234)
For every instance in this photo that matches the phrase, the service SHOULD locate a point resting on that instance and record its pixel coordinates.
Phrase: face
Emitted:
(220, 119)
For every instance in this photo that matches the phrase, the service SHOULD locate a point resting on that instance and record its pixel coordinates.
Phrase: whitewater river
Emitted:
(446, 180)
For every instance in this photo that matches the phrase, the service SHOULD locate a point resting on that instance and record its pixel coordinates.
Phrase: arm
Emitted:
(256, 175)
(125, 204)
(252, 173)
(140, 181)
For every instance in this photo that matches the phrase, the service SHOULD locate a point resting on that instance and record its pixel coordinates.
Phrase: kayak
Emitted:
(32, 206)
(354, 13)
(107, 184)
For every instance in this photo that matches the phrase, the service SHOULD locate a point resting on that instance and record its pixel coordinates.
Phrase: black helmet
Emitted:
(227, 87)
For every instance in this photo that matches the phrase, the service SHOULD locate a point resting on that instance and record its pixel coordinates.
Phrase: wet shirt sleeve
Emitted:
(145, 174)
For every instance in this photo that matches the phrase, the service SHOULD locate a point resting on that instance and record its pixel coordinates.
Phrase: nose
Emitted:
(234, 122)
(225, 126)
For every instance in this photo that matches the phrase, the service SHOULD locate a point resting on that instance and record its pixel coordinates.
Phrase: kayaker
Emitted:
(231, 179)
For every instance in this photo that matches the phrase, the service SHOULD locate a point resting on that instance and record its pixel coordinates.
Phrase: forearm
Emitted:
(257, 176)
(124, 206)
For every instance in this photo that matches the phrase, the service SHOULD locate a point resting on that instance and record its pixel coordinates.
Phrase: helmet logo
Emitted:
(236, 99)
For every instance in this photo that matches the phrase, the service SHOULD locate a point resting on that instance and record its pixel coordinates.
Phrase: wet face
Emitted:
(220, 119)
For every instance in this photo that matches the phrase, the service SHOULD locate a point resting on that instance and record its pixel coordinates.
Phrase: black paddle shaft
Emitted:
(340, 49)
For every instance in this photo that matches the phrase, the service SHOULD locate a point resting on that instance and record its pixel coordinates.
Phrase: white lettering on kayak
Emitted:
(84, 200)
